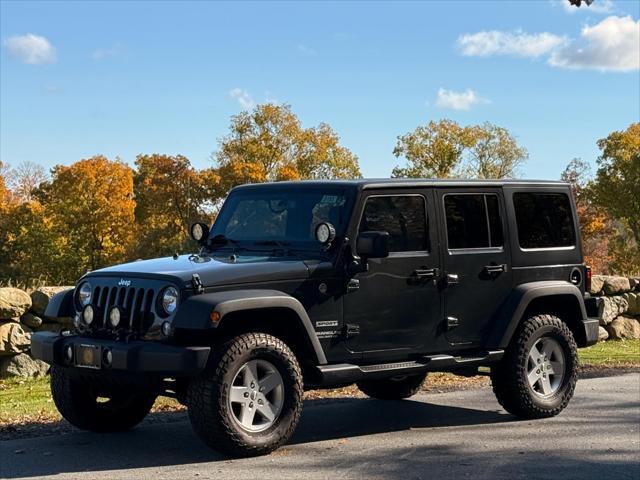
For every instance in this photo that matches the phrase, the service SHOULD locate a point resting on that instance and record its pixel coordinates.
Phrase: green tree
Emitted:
(616, 189)
(617, 184)
(269, 144)
(434, 150)
(170, 195)
(444, 149)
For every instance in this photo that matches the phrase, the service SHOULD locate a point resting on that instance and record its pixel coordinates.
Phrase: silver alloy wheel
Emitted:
(256, 395)
(545, 367)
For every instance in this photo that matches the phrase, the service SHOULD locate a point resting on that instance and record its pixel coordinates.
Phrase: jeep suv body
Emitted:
(318, 284)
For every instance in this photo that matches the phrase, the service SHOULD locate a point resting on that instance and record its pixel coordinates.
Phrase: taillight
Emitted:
(587, 277)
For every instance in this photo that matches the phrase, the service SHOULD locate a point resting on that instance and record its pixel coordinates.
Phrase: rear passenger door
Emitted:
(476, 277)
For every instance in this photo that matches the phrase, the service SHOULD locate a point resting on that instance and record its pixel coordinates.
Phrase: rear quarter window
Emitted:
(544, 220)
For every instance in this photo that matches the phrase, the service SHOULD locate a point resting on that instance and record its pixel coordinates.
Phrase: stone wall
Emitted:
(617, 305)
(21, 314)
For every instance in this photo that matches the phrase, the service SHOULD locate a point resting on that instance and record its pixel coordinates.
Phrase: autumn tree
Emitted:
(170, 195)
(91, 206)
(445, 149)
(616, 189)
(4, 191)
(596, 227)
(269, 144)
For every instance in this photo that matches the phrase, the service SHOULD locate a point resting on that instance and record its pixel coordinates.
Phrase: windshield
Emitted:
(277, 217)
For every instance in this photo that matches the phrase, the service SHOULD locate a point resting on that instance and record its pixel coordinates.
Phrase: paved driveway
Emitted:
(432, 436)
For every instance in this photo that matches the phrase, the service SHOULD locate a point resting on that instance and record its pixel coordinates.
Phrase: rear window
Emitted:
(545, 220)
(473, 221)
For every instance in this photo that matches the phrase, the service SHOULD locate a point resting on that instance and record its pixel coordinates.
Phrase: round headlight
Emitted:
(87, 315)
(84, 295)
(114, 317)
(170, 300)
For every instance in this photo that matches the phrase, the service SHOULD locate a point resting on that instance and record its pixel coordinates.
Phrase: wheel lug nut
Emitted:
(260, 402)
(261, 389)
(253, 385)
(250, 404)
(246, 394)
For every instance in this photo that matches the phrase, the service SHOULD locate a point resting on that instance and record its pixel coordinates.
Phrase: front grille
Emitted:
(136, 303)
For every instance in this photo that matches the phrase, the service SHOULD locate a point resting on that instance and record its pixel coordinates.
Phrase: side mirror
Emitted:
(373, 244)
(199, 232)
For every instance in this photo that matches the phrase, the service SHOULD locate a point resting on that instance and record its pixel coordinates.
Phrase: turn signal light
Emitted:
(215, 317)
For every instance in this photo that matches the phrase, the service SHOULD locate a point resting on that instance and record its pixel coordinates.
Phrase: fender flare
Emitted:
(61, 304)
(515, 305)
(194, 313)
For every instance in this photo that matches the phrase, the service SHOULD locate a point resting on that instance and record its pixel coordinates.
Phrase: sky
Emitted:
(123, 78)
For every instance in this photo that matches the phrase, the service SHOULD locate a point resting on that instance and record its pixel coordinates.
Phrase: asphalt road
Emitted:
(432, 436)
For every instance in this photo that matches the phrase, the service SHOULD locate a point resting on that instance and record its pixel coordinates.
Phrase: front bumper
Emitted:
(133, 357)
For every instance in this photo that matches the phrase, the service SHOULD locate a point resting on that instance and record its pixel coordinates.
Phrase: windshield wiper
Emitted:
(273, 243)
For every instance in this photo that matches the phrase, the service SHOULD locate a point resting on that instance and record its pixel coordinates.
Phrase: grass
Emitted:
(25, 402)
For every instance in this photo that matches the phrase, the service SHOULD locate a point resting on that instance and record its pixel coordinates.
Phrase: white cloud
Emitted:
(518, 43)
(598, 6)
(31, 49)
(611, 45)
(308, 51)
(458, 100)
(102, 53)
(242, 97)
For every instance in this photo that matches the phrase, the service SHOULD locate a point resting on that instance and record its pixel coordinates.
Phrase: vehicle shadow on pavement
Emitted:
(166, 438)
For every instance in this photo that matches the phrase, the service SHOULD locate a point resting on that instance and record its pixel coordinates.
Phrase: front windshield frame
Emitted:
(270, 243)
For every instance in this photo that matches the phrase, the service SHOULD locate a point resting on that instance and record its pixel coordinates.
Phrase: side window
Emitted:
(473, 221)
(545, 220)
(404, 217)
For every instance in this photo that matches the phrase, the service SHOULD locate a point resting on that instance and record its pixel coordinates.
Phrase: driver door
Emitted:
(397, 304)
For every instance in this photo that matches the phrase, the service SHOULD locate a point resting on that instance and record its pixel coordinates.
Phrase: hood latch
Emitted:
(196, 283)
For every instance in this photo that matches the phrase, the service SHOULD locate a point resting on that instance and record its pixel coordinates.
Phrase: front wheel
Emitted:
(538, 374)
(88, 407)
(248, 401)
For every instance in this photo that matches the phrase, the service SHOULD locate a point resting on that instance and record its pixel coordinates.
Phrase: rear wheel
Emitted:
(394, 388)
(248, 401)
(83, 405)
(538, 374)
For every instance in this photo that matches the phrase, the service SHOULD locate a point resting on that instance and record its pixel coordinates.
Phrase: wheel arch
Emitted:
(266, 311)
(558, 298)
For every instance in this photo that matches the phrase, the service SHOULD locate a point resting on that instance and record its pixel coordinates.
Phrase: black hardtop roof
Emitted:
(367, 183)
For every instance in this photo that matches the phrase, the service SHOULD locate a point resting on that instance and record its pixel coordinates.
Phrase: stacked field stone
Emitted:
(20, 315)
(618, 306)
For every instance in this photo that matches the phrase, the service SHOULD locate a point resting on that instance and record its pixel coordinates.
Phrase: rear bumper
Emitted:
(132, 357)
(590, 331)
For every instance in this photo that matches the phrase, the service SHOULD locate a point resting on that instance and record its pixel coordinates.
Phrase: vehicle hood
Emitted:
(213, 271)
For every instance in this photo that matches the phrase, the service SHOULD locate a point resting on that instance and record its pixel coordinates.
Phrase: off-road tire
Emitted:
(78, 403)
(509, 377)
(208, 396)
(394, 388)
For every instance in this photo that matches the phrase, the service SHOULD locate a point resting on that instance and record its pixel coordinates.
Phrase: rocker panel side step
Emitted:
(346, 373)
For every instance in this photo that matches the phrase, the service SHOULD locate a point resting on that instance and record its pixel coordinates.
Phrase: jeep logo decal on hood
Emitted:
(124, 283)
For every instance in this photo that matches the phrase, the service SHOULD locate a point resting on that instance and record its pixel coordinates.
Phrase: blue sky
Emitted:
(123, 78)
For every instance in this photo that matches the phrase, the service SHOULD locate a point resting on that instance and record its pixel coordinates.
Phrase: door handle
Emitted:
(451, 279)
(495, 268)
(425, 273)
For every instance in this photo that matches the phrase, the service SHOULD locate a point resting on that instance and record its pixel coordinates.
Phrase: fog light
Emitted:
(108, 357)
(114, 317)
(166, 329)
(68, 353)
(87, 315)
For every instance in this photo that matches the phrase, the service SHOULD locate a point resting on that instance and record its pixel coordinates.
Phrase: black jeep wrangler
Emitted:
(304, 285)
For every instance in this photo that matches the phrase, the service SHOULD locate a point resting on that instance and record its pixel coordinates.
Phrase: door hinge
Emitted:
(196, 283)
(452, 322)
(351, 330)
